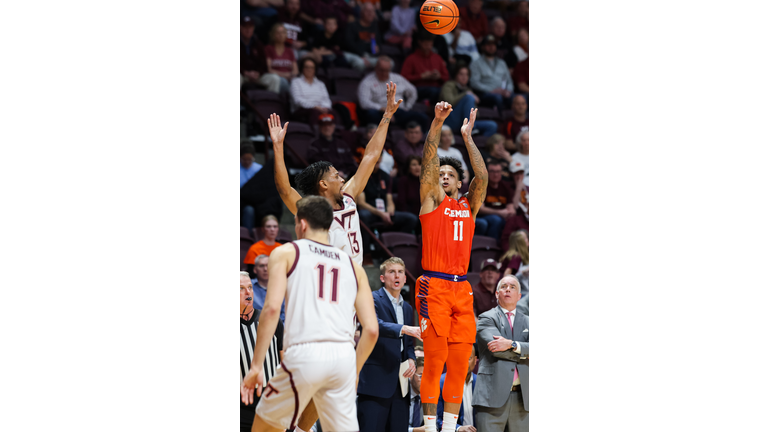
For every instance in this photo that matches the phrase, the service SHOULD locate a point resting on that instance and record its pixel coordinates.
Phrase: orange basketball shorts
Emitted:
(445, 304)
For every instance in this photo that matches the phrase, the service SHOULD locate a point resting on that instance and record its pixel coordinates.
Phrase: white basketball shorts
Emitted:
(322, 371)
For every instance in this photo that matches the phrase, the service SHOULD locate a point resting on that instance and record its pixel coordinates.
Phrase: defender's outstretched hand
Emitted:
(391, 104)
(275, 131)
(442, 110)
(469, 125)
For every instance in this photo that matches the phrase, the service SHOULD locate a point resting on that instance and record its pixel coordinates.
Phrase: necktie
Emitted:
(416, 420)
(516, 380)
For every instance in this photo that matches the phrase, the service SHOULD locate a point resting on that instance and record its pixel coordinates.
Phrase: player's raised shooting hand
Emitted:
(469, 124)
(442, 110)
(391, 104)
(275, 131)
(253, 381)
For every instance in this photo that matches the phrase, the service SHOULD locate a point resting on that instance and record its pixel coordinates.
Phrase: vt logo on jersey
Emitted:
(456, 213)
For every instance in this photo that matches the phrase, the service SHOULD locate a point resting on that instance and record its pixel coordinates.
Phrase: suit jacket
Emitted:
(440, 405)
(522, 305)
(379, 376)
(497, 370)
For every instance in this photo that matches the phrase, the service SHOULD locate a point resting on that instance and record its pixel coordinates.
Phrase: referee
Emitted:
(249, 321)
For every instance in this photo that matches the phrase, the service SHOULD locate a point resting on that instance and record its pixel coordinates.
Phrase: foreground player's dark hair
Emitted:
(306, 181)
(446, 160)
(316, 210)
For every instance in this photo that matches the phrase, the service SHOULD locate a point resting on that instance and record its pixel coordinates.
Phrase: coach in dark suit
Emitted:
(381, 405)
(501, 393)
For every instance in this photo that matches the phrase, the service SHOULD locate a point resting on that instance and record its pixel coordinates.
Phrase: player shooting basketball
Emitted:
(321, 178)
(444, 299)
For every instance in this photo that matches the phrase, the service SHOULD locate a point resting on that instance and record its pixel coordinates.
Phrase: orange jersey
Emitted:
(447, 237)
(257, 249)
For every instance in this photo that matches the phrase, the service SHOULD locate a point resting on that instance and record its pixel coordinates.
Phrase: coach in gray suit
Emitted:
(501, 393)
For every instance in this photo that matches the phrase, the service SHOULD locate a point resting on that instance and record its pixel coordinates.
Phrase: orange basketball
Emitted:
(439, 16)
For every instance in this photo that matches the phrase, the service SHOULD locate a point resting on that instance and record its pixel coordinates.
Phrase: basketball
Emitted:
(439, 16)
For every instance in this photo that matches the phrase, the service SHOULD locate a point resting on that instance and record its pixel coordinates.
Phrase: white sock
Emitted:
(449, 422)
(430, 423)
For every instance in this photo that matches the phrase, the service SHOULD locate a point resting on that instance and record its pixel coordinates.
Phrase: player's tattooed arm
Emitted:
(287, 193)
(430, 192)
(357, 183)
(479, 186)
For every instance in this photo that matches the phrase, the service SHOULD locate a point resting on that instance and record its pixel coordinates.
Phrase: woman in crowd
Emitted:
(267, 244)
(408, 185)
(457, 93)
(402, 25)
(495, 152)
(280, 59)
(517, 254)
(309, 96)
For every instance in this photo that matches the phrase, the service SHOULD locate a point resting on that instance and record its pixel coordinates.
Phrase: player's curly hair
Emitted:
(446, 160)
(306, 180)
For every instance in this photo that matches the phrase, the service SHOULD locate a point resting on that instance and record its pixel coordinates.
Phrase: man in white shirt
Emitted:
(372, 96)
(522, 153)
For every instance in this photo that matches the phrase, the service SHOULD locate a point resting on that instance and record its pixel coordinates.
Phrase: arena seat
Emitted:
(283, 236)
(407, 247)
(246, 240)
(300, 127)
(347, 87)
(485, 113)
(483, 248)
(266, 103)
(300, 142)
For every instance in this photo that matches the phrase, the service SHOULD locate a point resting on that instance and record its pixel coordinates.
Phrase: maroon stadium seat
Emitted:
(473, 278)
(485, 113)
(483, 248)
(407, 247)
(283, 236)
(300, 142)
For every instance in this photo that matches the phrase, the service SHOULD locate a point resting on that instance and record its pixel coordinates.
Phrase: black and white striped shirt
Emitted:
(248, 342)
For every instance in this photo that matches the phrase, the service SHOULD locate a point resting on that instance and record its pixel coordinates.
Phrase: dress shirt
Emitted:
(398, 305)
(306, 95)
(259, 294)
(246, 174)
(466, 401)
(511, 318)
(372, 93)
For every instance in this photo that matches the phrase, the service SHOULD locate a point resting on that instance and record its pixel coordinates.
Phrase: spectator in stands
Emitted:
(261, 269)
(521, 49)
(521, 78)
(415, 413)
(412, 144)
(260, 11)
(491, 78)
(408, 199)
(332, 149)
(318, 10)
(465, 422)
(425, 69)
(519, 19)
(295, 36)
(248, 169)
(280, 58)
(266, 245)
(461, 46)
(253, 64)
(516, 255)
(495, 152)
(325, 45)
(519, 220)
(521, 141)
(309, 97)
(504, 42)
(444, 149)
(473, 19)
(484, 293)
(402, 24)
(518, 122)
(372, 96)
(498, 204)
(376, 206)
(363, 37)
(457, 93)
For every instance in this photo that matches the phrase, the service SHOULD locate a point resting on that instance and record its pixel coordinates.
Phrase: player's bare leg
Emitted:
(260, 425)
(308, 417)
